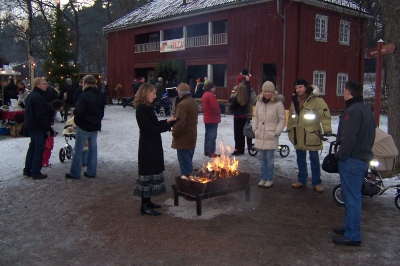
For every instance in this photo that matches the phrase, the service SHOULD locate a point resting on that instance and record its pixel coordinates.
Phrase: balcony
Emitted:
(207, 40)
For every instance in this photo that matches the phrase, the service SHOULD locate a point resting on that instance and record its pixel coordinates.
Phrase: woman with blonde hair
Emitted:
(239, 107)
(269, 122)
(150, 181)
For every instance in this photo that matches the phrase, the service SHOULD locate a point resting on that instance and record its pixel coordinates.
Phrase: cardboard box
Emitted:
(14, 130)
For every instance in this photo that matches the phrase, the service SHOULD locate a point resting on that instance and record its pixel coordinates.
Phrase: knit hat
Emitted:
(245, 72)
(301, 82)
(183, 87)
(268, 86)
(160, 79)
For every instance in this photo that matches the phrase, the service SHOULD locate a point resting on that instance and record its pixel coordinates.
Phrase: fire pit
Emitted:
(219, 177)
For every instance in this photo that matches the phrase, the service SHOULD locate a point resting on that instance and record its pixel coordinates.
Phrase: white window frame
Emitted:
(341, 80)
(344, 32)
(153, 38)
(319, 79)
(321, 28)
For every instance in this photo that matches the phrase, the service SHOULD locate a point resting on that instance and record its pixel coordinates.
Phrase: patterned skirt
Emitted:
(150, 185)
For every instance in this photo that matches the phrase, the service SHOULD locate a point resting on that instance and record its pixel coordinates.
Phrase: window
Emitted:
(342, 78)
(344, 32)
(321, 28)
(320, 80)
(153, 38)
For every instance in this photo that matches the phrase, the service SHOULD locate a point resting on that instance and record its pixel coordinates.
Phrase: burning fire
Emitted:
(219, 167)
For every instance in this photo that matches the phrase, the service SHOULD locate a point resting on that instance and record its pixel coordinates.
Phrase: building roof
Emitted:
(159, 10)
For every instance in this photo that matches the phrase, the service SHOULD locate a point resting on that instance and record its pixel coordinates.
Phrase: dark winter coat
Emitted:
(36, 115)
(10, 92)
(185, 130)
(89, 109)
(160, 89)
(356, 131)
(150, 154)
(50, 94)
(70, 90)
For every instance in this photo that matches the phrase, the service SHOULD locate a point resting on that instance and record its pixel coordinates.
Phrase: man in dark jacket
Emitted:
(355, 137)
(50, 94)
(68, 90)
(10, 91)
(37, 122)
(89, 111)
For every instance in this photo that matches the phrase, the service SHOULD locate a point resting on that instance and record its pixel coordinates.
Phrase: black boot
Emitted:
(153, 205)
(147, 209)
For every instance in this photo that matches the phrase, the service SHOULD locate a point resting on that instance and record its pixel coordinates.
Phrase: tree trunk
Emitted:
(391, 21)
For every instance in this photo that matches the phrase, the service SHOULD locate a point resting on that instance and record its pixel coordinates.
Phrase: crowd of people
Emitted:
(309, 118)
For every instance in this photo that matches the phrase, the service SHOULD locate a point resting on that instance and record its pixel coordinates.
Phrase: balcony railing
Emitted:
(216, 39)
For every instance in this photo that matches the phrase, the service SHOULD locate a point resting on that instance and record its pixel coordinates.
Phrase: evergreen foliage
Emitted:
(167, 70)
(60, 65)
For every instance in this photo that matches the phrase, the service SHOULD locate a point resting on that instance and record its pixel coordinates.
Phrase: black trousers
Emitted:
(240, 139)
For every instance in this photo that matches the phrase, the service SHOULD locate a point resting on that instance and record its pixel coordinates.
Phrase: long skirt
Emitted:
(150, 185)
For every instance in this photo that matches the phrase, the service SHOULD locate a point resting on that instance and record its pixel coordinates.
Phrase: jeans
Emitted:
(34, 155)
(315, 167)
(85, 156)
(352, 177)
(210, 138)
(267, 169)
(185, 158)
(80, 139)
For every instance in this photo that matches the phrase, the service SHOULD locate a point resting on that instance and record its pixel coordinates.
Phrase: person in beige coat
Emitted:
(184, 132)
(269, 122)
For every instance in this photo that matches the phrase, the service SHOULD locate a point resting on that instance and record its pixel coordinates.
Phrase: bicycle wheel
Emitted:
(61, 155)
(252, 151)
(397, 201)
(284, 150)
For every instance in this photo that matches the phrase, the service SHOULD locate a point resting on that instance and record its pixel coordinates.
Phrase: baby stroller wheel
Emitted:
(284, 150)
(69, 152)
(397, 201)
(61, 155)
(253, 151)
(337, 195)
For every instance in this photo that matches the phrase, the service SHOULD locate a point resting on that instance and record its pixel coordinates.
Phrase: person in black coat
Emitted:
(150, 181)
(37, 121)
(89, 111)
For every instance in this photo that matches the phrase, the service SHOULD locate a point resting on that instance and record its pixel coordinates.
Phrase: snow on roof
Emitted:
(161, 9)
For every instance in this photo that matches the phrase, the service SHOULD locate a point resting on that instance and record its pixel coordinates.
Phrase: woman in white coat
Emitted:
(269, 122)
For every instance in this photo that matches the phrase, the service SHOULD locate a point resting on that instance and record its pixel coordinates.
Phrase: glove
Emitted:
(328, 133)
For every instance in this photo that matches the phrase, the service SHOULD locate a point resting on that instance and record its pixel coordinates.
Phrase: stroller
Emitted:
(69, 134)
(385, 153)
(165, 106)
(284, 150)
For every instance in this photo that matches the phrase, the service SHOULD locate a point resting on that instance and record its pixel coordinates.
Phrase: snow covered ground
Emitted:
(118, 144)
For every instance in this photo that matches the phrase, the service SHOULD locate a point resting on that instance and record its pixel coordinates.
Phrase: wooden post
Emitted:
(378, 84)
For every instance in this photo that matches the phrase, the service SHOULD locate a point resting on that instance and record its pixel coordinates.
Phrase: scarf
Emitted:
(301, 99)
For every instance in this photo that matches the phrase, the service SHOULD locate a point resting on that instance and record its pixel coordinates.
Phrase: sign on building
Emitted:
(172, 45)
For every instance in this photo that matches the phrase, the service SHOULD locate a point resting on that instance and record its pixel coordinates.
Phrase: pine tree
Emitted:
(60, 65)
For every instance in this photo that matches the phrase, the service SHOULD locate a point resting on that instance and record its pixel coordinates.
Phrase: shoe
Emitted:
(40, 176)
(146, 209)
(89, 176)
(338, 230)
(342, 240)
(236, 153)
(26, 174)
(71, 177)
(154, 206)
(261, 183)
(268, 184)
(83, 165)
(319, 188)
(297, 185)
(62, 121)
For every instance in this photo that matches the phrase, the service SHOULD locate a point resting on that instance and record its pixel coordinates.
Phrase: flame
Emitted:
(219, 167)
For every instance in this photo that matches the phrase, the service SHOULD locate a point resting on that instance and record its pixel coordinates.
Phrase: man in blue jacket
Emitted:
(89, 111)
(355, 137)
(37, 121)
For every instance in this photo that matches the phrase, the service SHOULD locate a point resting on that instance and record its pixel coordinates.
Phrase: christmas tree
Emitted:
(60, 64)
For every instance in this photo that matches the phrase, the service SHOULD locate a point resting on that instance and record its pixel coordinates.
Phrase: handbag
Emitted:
(248, 131)
(330, 162)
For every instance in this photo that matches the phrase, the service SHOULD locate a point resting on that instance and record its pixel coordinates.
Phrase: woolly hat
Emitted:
(245, 72)
(268, 86)
(301, 82)
(183, 87)
(160, 79)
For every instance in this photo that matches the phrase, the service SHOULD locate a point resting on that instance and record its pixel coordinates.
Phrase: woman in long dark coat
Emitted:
(150, 181)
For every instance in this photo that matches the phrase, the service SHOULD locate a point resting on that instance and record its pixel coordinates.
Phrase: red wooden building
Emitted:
(322, 41)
